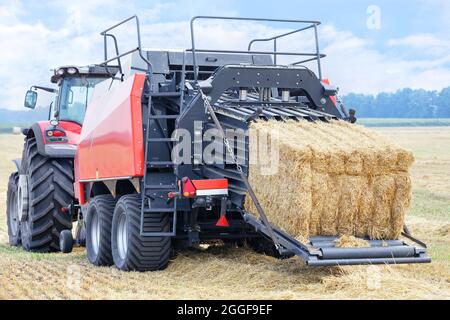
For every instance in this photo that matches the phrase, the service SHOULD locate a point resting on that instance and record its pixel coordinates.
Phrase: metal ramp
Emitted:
(322, 250)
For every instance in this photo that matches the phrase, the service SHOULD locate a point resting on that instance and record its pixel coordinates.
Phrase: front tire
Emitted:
(98, 230)
(131, 251)
(50, 188)
(12, 215)
(66, 241)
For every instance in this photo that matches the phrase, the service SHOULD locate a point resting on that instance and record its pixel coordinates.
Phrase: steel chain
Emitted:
(225, 140)
(263, 216)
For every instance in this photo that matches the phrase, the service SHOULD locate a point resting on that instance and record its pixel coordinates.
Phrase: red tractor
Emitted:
(40, 194)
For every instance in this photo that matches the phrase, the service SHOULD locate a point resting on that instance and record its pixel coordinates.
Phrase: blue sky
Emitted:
(408, 46)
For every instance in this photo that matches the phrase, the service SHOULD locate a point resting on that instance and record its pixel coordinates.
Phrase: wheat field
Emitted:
(238, 273)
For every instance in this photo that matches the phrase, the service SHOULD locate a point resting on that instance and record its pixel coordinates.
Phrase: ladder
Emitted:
(160, 171)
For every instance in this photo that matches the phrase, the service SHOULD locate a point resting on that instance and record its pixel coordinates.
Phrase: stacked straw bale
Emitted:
(332, 179)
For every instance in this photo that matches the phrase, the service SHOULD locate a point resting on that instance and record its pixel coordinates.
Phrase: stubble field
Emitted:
(238, 273)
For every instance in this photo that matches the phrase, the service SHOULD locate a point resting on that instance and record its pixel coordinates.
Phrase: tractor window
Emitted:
(75, 94)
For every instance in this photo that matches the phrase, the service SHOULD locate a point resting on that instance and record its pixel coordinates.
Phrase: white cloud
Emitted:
(30, 49)
(357, 67)
(429, 44)
(420, 41)
(10, 10)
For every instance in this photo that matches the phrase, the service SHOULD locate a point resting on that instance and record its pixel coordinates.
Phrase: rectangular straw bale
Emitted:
(332, 179)
(402, 201)
(301, 204)
(330, 214)
(319, 194)
(351, 192)
(365, 207)
(383, 192)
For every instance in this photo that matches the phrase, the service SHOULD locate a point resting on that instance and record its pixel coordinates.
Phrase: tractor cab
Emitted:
(59, 135)
(75, 88)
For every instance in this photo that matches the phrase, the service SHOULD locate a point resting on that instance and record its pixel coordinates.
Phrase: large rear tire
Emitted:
(131, 251)
(50, 188)
(98, 230)
(12, 215)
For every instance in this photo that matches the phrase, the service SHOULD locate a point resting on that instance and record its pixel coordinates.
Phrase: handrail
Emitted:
(105, 34)
(259, 52)
(313, 24)
(275, 38)
(278, 36)
(117, 53)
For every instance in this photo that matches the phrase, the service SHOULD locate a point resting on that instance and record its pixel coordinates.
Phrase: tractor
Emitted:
(40, 197)
(134, 174)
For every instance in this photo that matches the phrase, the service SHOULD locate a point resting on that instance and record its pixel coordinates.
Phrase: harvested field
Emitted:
(332, 179)
(232, 273)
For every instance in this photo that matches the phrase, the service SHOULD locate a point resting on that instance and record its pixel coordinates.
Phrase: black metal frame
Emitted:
(312, 25)
(321, 251)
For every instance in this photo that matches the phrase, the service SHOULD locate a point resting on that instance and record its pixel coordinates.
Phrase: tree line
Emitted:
(405, 103)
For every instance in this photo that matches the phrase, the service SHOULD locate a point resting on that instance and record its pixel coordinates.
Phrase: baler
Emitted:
(143, 187)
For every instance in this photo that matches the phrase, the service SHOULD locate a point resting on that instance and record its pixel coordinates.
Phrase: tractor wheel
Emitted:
(12, 214)
(47, 187)
(131, 251)
(98, 230)
(66, 241)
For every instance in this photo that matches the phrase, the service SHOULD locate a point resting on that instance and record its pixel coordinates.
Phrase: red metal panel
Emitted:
(111, 142)
(72, 129)
(78, 188)
(210, 184)
(333, 98)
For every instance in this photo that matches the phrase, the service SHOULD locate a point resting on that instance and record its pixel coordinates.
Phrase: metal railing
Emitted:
(311, 25)
(105, 35)
(312, 56)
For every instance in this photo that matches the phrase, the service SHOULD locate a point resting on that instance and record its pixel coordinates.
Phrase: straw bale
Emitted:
(331, 179)
(402, 201)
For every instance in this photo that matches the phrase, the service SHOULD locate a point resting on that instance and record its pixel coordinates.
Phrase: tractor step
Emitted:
(162, 140)
(166, 94)
(171, 116)
(171, 187)
(145, 211)
(159, 210)
(160, 164)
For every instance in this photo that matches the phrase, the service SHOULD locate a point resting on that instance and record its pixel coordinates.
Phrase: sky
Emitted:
(371, 46)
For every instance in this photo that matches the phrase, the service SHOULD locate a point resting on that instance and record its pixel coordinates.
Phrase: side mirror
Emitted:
(30, 99)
